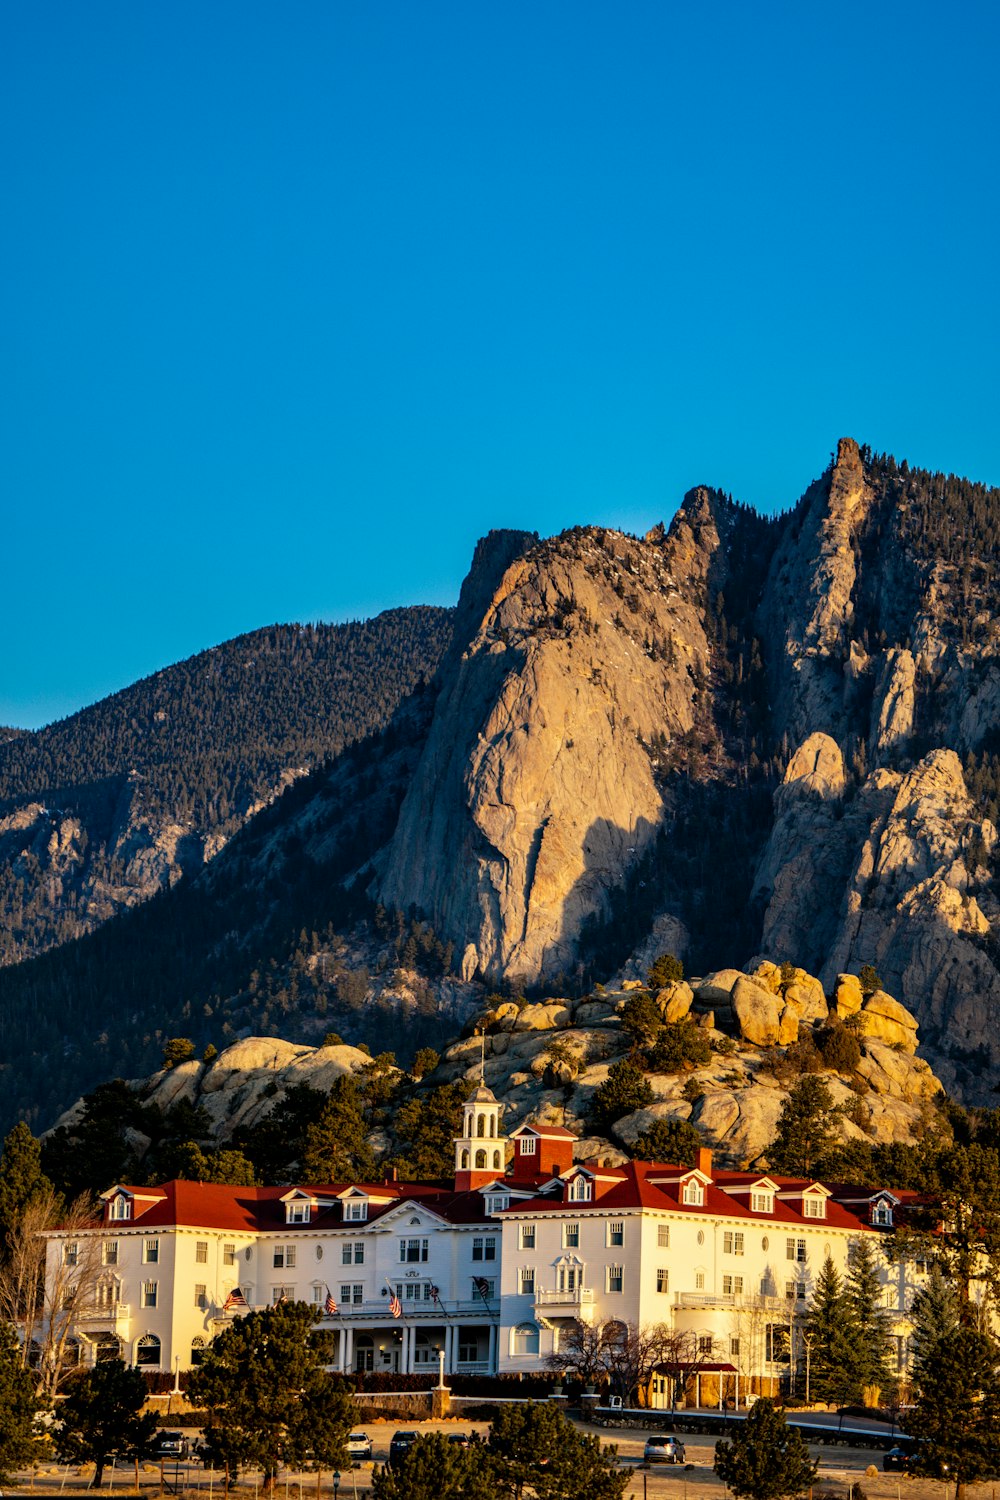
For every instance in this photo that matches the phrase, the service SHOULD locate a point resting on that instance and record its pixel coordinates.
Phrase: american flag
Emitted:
(330, 1305)
(235, 1299)
(482, 1286)
(395, 1306)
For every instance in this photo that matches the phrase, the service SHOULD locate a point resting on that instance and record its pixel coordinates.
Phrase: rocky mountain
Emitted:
(100, 811)
(738, 739)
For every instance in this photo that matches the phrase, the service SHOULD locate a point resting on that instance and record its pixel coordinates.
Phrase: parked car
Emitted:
(460, 1439)
(359, 1445)
(400, 1446)
(664, 1450)
(171, 1445)
(906, 1459)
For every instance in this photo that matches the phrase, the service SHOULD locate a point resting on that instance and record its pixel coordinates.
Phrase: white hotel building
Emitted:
(490, 1270)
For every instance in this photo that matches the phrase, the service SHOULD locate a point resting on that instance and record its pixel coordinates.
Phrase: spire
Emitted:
(482, 1060)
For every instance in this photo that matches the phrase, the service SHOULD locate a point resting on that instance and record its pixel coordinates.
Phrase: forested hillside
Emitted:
(102, 809)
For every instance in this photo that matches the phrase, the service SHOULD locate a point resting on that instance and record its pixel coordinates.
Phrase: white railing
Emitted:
(581, 1296)
(731, 1299)
(115, 1312)
(374, 1311)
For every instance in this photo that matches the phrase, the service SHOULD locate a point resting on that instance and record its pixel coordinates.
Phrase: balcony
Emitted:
(378, 1310)
(115, 1317)
(736, 1299)
(578, 1303)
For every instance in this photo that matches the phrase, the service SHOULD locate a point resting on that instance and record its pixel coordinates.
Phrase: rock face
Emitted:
(536, 793)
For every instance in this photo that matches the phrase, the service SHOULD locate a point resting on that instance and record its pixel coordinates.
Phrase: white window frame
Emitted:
(571, 1235)
(813, 1206)
(663, 1236)
(109, 1253)
(151, 1252)
(149, 1294)
(356, 1210)
(527, 1236)
(297, 1212)
(694, 1193)
(529, 1145)
(762, 1202)
(662, 1279)
(613, 1274)
(201, 1252)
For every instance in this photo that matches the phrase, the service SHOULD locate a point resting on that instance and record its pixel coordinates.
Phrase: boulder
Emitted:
(716, 988)
(805, 992)
(757, 1011)
(596, 1013)
(848, 998)
(788, 1026)
(675, 1002)
(886, 1020)
(767, 975)
(543, 1017)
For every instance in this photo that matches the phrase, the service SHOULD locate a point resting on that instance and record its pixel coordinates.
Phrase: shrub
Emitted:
(839, 1048)
(179, 1049)
(673, 1141)
(622, 1092)
(665, 970)
(870, 982)
(679, 1046)
(641, 1019)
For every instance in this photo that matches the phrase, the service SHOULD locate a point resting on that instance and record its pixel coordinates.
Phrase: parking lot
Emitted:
(840, 1468)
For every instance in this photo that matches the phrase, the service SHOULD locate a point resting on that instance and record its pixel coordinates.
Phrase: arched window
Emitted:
(496, 1159)
(693, 1192)
(882, 1213)
(493, 1125)
(580, 1189)
(465, 1160)
(147, 1351)
(480, 1159)
(197, 1350)
(481, 1125)
(107, 1346)
(615, 1334)
(524, 1340)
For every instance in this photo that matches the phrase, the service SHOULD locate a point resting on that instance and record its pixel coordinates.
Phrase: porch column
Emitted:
(493, 1349)
(449, 1348)
(409, 1340)
(346, 1348)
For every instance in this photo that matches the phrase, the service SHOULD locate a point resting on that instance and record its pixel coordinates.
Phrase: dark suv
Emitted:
(400, 1446)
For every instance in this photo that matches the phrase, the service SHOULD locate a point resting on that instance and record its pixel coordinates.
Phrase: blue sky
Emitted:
(297, 301)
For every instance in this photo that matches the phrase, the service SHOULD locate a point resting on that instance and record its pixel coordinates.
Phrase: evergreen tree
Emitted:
(19, 1406)
(22, 1182)
(269, 1399)
(673, 1141)
(336, 1145)
(863, 1296)
(806, 1129)
(956, 1416)
(935, 1316)
(102, 1415)
(535, 1450)
(835, 1354)
(765, 1459)
(426, 1126)
(435, 1469)
(623, 1091)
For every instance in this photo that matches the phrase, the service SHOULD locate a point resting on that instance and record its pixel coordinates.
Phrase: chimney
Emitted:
(704, 1160)
(392, 1173)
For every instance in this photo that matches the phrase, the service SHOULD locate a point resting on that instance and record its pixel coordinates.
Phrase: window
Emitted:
(732, 1286)
(693, 1192)
(663, 1236)
(201, 1297)
(571, 1236)
(920, 1267)
(662, 1279)
(795, 1250)
(615, 1278)
(121, 1208)
(483, 1289)
(527, 1280)
(704, 1343)
(484, 1247)
(351, 1295)
(201, 1253)
(734, 1348)
(813, 1207)
(497, 1202)
(352, 1252)
(297, 1212)
(699, 1281)
(616, 1232)
(527, 1236)
(468, 1350)
(229, 1255)
(529, 1145)
(777, 1343)
(282, 1294)
(149, 1293)
(413, 1251)
(568, 1278)
(795, 1290)
(71, 1253)
(147, 1350)
(882, 1213)
(762, 1203)
(150, 1252)
(525, 1339)
(732, 1242)
(580, 1189)
(356, 1210)
(197, 1350)
(284, 1257)
(109, 1253)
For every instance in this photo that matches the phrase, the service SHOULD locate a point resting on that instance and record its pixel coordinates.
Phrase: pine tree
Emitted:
(535, 1449)
(806, 1129)
(102, 1414)
(956, 1416)
(435, 1469)
(336, 1145)
(863, 1295)
(19, 1406)
(834, 1340)
(22, 1182)
(765, 1459)
(935, 1315)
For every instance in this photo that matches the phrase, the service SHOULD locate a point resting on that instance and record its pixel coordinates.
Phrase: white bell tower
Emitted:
(481, 1150)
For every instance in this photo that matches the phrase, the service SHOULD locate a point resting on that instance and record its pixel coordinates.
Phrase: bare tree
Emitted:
(581, 1352)
(624, 1354)
(45, 1301)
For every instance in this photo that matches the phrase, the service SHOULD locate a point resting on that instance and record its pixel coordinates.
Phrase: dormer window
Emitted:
(121, 1207)
(356, 1210)
(581, 1189)
(528, 1145)
(762, 1202)
(496, 1203)
(297, 1212)
(813, 1206)
(881, 1213)
(693, 1193)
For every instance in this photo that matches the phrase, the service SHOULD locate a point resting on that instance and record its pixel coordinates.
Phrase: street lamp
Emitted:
(336, 1480)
